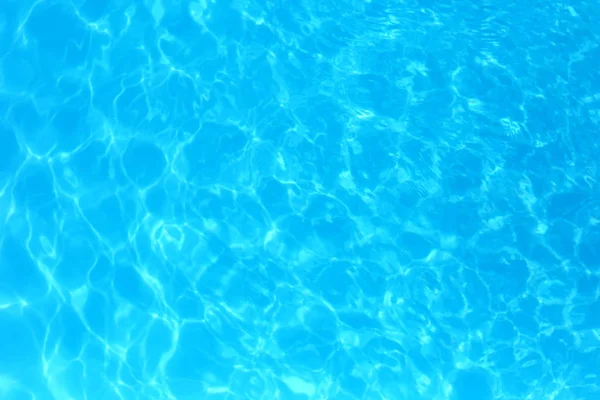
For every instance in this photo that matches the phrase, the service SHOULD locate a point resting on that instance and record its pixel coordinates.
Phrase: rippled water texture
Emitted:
(302, 199)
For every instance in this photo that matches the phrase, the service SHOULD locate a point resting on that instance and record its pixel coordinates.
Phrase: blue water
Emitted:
(311, 199)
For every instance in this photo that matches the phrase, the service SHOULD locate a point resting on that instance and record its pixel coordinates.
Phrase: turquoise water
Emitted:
(311, 199)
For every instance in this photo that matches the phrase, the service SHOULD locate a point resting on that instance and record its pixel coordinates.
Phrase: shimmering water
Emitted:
(311, 199)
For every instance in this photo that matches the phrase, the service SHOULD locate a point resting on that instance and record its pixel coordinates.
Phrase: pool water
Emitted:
(308, 199)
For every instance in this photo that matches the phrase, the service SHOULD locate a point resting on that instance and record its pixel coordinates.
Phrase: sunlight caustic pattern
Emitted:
(312, 199)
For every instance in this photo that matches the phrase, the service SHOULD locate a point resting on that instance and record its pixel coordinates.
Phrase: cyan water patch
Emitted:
(143, 162)
(324, 199)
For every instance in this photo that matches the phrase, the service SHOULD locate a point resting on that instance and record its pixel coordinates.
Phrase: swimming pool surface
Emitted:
(300, 199)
